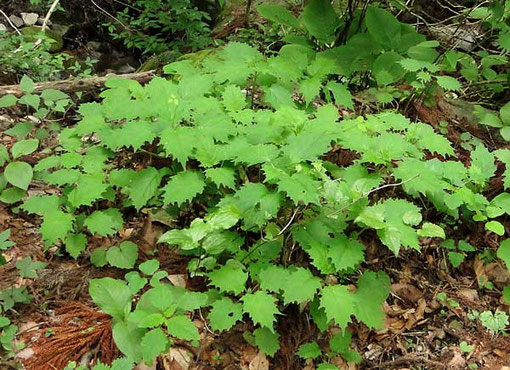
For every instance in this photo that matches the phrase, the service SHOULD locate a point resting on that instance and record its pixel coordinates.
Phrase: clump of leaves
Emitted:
(154, 26)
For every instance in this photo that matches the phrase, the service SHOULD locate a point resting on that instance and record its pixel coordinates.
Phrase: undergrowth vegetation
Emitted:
(275, 186)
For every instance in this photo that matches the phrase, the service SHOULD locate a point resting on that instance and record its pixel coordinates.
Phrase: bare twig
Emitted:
(371, 192)
(10, 22)
(109, 15)
(46, 20)
(289, 223)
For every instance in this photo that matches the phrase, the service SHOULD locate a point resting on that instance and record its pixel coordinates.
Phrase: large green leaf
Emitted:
(321, 21)
(383, 27)
(278, 14)
(112, 296)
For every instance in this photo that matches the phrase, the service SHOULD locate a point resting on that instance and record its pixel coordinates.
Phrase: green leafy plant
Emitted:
(246, 139)
(154, 27)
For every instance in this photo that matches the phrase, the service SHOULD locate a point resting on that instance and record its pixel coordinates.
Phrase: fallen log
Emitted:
(77, 84)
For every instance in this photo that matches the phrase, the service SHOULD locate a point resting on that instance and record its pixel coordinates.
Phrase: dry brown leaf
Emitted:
(457, 361)
(407, 292)
(259, 362)
(177, 359)
(469, 294)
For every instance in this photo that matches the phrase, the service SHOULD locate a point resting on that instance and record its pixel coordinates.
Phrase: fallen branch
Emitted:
(79, 84)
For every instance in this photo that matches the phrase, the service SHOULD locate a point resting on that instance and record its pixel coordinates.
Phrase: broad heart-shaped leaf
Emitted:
(182, 327)
(229, 278)
(24, 147)
(112, 296)
(224, 314)
(56, 225)
(261, 307)
(104, 223)
(504, 252)
(183, 187)
(383, 27)
(320, 20)
(373, 289)
(144, 186)
(278, 14)
(267, 340)
(153, 344)
(338, 303)
(128, 338)
(19, 174)
(124, 256)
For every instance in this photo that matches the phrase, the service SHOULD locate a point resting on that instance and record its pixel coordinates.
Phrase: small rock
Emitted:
(469, 294)
(40, 21)
(3, 28)
(29, 18)
(17, 21)
(125, 69)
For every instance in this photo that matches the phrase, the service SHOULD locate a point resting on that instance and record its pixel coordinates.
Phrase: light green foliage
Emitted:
(495, 322)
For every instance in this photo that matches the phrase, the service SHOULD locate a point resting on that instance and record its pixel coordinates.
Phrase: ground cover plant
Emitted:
(274, 189)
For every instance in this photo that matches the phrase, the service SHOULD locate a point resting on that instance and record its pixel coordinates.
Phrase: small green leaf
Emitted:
(266, 340)
(24, 147)
(456, 258)
(26, 84)
(182, 327)
(431, 230)
(98, 257)
(149, 267)
(261, 307)
(309, 350)
(112, 296)
(153, 344)
(124, 256)
(448, 83)
(19, 174)
(75, 244)
(183, 187)
(504, 252)
(229, 278)
(224, 314)
(496, 227)
(8, 101)
(28, 269)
